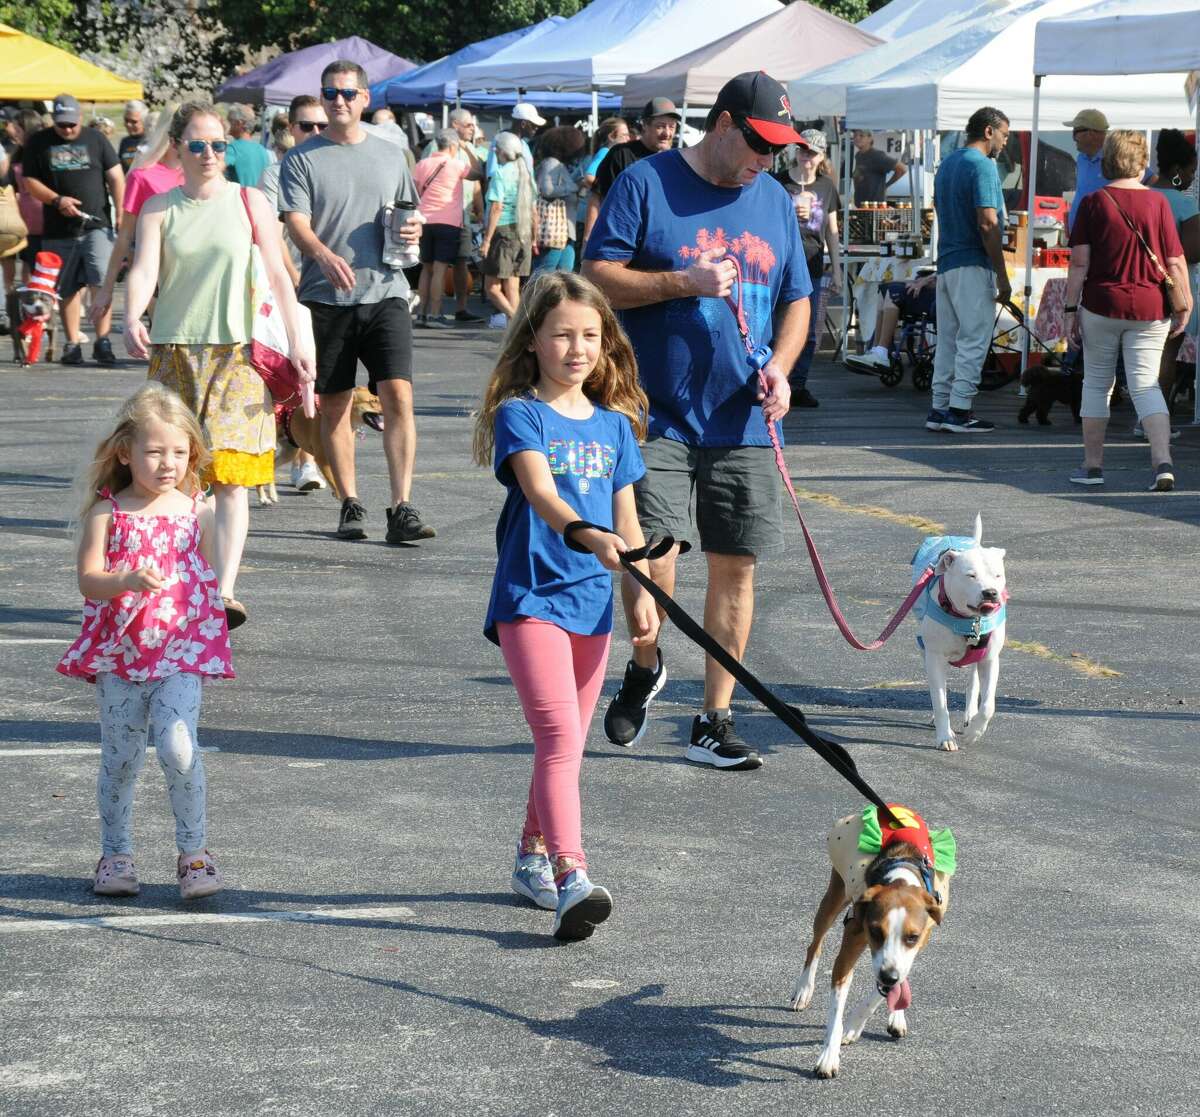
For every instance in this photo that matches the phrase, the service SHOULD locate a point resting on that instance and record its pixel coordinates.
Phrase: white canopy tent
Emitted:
(823, 92)
(600, 46)
(1160, 38)
(906, 17)
(985, 62)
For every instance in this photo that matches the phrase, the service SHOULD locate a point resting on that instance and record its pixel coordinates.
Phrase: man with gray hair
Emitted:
(245, 157)
(135, 139)
(439, 180)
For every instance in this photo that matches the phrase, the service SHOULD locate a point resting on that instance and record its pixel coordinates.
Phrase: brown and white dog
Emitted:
(296, 431)
(896, 899)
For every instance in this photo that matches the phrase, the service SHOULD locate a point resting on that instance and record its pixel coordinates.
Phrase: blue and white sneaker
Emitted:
(582, 907)
(533, 878)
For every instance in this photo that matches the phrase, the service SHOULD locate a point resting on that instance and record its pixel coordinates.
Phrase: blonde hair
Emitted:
(612, 384)
(151, 401)
(1125, 154)
(158, 139)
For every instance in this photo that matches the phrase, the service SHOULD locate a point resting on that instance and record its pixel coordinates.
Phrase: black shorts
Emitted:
(34, 246)
(377, 334)
(439, 244)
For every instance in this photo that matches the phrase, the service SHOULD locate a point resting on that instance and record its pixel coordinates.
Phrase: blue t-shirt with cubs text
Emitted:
(537, 574)
(660, 216)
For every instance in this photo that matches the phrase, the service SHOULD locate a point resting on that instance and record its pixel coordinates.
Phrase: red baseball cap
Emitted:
(763, 103)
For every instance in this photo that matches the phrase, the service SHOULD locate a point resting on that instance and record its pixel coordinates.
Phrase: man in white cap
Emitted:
(526, 120)
(74, 171)
(1088, 130)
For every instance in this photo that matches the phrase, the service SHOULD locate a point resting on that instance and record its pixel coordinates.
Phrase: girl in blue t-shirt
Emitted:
(559, 416)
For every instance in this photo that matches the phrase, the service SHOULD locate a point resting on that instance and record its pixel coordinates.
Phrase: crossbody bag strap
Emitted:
(429, 181)
(1163, 274)
(249, 215)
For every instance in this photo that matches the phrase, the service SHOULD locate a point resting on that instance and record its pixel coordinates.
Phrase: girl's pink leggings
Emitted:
(558, 676)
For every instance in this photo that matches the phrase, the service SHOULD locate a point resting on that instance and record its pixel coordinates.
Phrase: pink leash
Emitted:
(758, 356)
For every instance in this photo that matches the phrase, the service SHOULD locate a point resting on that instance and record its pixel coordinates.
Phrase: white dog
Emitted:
(960, 623)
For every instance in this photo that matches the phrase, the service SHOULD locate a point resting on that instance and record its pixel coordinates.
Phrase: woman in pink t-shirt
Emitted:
(155, 171)
(439, 181)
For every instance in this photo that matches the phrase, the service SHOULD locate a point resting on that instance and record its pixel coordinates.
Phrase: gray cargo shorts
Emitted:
(737, 492)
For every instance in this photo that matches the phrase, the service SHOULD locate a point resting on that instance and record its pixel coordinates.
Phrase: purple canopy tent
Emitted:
(278, 81)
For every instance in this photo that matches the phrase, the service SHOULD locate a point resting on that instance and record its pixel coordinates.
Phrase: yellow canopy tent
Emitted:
(36, 71)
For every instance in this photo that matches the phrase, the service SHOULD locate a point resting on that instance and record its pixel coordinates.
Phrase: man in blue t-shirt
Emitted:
(971, 274)
(687, 241)
(1088, 130)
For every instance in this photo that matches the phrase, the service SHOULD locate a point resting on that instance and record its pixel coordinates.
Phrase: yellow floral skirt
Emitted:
(232, 403)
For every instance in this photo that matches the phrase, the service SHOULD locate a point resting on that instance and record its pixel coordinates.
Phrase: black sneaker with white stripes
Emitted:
(625, 718)
(715, 742)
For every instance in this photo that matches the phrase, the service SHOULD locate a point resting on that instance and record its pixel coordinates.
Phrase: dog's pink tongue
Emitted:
(899, 997)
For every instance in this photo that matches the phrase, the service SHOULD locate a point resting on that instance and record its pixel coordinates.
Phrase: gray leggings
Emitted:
(169, 710)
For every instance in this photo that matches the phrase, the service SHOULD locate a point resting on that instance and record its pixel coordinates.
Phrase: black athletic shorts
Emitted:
(439, 244)
(377, 334)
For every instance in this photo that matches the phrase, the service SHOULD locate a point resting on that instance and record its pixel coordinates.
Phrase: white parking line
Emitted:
(172, 919)
(93, 751)
(39, 640)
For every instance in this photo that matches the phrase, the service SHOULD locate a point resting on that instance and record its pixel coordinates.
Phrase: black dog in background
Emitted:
(1048, 386)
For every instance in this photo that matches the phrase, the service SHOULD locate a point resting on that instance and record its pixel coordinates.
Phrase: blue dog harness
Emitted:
(934, 604)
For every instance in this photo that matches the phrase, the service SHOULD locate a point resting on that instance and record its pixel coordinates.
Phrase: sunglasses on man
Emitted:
(754, 141)
(331, 94)
(312, 125)
(196, 147)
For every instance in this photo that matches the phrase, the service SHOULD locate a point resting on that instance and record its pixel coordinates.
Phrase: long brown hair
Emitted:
(613, 383)
(107, 471)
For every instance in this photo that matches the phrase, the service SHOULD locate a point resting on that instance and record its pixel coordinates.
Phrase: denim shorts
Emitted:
(84, 259)
(736, 490)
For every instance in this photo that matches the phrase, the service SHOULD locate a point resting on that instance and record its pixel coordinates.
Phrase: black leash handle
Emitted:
(832, 753)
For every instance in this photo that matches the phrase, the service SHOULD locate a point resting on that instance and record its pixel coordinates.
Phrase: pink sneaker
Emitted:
(116, 876)
(198, 875)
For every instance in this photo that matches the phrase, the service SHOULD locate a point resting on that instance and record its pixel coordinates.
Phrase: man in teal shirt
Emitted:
(971, 273)
(245, 157)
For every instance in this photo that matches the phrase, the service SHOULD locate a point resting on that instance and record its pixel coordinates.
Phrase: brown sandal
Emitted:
(235, 612)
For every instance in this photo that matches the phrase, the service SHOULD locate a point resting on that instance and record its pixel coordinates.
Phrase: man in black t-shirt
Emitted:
(660, 122)
(73, 171)
(135, 139)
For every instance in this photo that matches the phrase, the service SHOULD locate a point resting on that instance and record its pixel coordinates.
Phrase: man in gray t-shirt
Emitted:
(332, 192)
(872, 168)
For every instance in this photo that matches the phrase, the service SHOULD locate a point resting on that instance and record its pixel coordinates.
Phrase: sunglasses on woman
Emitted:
(754, 141)
(196, 147)
(332, 94)
(311, 125)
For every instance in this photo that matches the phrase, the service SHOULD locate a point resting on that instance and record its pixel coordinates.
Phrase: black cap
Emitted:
(660, 106)
(764, 104)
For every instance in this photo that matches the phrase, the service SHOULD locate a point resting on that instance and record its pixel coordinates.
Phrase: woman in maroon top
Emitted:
(1124, 307)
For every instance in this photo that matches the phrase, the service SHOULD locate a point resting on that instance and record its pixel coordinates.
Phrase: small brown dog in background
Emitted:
(295, 431)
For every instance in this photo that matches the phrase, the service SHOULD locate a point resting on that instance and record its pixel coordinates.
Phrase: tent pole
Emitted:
(682, 123)
(595, 109)
(1196, 293)
(445, 115)
(847, 198)
(1032, 195)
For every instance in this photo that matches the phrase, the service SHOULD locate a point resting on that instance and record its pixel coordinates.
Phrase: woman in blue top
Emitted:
(559, 419)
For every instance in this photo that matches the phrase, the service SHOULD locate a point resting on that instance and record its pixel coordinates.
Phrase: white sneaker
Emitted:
(307, 477)
(498, 322)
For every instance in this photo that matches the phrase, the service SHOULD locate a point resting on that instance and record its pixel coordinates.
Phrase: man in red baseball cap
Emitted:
(664, 249)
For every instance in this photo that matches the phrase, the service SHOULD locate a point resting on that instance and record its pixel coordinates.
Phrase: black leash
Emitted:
(832, 753)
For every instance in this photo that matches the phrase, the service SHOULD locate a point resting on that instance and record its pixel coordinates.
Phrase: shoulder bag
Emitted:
(270, 349)
(1177, 297)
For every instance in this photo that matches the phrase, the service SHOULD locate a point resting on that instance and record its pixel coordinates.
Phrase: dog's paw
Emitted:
(828, 1064)
(948, 745)
(897, 1026)
(802, 995)
(852, 1033)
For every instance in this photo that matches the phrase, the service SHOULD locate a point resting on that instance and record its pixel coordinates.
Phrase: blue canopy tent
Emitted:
(436, 82)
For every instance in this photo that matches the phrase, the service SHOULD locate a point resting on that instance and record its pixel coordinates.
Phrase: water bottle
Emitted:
(397, 253)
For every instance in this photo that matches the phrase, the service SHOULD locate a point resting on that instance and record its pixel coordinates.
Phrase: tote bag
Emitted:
(270, 350)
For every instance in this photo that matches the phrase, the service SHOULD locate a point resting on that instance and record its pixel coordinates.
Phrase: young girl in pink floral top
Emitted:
(153, 626)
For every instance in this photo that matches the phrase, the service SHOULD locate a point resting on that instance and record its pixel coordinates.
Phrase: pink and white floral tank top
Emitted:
(141, 636)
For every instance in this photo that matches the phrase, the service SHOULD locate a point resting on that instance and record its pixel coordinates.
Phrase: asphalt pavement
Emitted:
(368, 767)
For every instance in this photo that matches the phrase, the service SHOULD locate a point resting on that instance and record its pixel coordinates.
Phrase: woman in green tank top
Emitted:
(194, 242)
